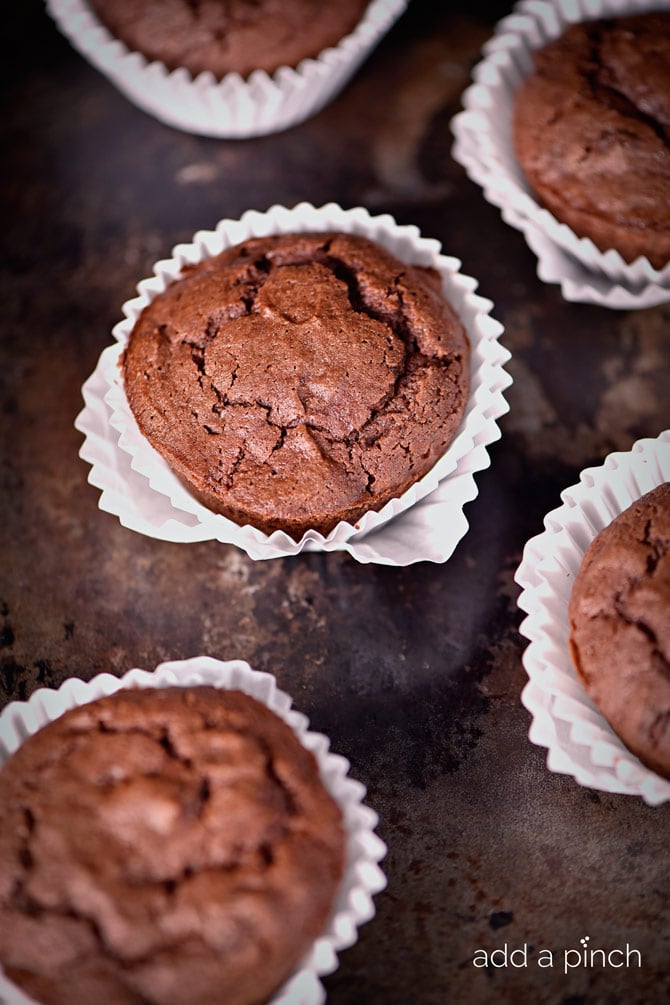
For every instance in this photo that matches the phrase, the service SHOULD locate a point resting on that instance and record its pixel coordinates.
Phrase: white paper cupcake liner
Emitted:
(147, 496)
(232, 107)
(579, 740)
(484, 146)
(364, 850)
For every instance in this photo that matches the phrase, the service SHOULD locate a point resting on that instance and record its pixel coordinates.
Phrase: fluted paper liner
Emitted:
(141, 489)
(233, 106)
(364, 850)
(578, 738)
(484, 146)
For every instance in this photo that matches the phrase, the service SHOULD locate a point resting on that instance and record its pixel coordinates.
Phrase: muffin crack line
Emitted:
(613, 96)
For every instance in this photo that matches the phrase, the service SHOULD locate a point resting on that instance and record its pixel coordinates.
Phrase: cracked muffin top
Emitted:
(229, 36)
(620, 626)
(592, 132)
(299, 380)
(163, 847)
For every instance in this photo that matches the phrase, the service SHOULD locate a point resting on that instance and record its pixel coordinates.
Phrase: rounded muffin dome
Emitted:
(592, 132)
(299, 380)
(620, 629)
(235, 36)
(171, 846)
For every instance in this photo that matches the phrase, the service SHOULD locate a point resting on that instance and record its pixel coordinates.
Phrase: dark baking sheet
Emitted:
(415, 673)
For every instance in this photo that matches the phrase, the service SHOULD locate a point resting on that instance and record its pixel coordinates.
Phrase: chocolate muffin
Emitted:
(620, 626)
(226, 36)
(299, 380)
(592, 132)
(163, 847)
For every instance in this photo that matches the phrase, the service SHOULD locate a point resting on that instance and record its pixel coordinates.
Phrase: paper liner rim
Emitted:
(231, 106)
(476, 149)
(467, 449)
(564, 719)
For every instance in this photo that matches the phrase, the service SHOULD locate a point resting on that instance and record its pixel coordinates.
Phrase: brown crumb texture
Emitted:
(620, 626)
(592, 132)
(229, 36)
(296, 381)
(163, 847)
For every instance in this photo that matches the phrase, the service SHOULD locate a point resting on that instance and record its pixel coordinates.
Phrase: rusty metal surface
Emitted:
(415, 674)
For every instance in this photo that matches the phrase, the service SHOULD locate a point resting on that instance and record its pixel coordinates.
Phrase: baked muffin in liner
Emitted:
(425, 523)
(579, 740)
(233, 107)
(362, 877)
(484, 146)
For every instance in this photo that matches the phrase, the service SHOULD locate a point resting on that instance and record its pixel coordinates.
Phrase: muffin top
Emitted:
(163, 847)
(299, 380)
(226, 36)
(592, 132)
(620, 626)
